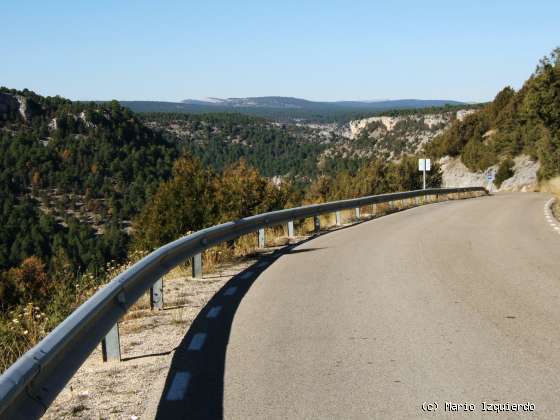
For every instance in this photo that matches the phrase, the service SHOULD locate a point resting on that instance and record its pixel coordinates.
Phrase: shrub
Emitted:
(505, 171)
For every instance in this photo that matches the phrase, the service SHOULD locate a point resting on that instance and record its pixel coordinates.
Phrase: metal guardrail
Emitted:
(32, 383)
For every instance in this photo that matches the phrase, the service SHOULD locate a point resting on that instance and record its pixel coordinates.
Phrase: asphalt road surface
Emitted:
(453, 302)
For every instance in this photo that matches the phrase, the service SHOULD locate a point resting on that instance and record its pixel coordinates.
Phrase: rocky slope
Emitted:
(14, 104)
(386, 136)
(524, 179)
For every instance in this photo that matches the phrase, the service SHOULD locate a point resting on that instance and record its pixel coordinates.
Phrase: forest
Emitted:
(221, 139)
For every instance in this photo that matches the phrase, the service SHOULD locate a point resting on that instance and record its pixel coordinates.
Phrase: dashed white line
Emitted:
(197, 341)
(214, 312)
(178, 386)
(550, 217)
(230, 290)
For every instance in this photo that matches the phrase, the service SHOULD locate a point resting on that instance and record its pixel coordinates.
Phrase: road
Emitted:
(451, 302)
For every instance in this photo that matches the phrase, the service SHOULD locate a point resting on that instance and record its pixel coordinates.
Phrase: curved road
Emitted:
(455, 301)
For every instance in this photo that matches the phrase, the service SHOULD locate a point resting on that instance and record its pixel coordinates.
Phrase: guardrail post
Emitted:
(291, 229)
(156, 295)
(261, 238)
(317, 224)
(357, 210)
(196, 263)
(338, 218)
(110, 345)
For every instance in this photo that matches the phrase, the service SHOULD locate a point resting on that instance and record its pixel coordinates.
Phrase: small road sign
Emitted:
(424, 165)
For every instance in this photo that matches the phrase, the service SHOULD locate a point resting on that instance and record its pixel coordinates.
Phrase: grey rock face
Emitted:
(456, 174)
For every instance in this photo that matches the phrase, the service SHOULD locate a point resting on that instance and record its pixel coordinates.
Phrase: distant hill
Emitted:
(288, 109)
(288, 102)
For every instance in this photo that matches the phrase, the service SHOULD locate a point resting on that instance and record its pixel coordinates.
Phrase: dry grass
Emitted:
(179, 316)
(551, 186)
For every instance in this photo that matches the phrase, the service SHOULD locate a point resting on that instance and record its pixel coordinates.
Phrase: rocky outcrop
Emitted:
(10, 104)
(463, 113)
(53, 124)
(24, 107)
(456, 174)
(357, 126)
(430, 120)
(525, 175)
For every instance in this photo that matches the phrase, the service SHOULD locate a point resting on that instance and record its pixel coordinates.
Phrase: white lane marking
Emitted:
(550, 217)
(178, 386)
(246, 275)
(214, 312)
(230, 291)
(197, 341)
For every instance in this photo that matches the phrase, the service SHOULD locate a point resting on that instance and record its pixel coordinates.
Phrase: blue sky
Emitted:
(320, 50)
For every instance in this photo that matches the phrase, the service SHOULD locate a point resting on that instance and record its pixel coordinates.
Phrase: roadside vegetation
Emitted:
(526, 121)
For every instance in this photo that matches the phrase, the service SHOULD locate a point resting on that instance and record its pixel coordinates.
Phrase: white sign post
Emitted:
(424, 165)
(490, 179)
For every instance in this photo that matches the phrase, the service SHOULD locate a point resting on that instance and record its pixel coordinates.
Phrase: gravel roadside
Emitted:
(123, 390)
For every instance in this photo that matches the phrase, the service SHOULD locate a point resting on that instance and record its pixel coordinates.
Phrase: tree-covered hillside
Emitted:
(71, 176)
(220, 140)
(526, 121)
